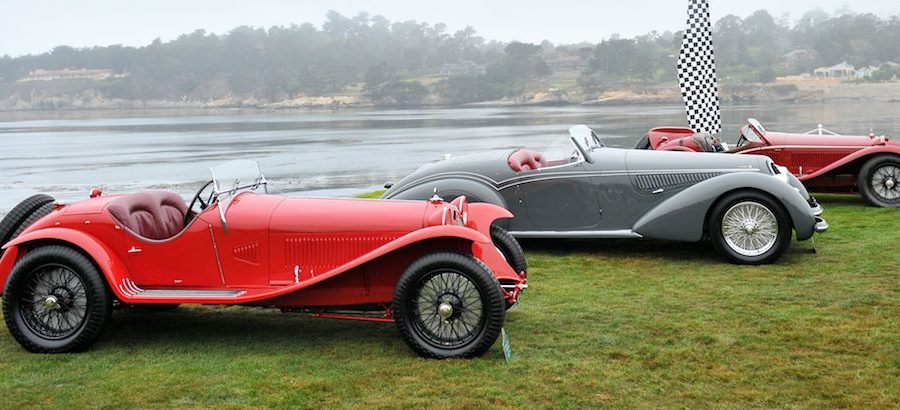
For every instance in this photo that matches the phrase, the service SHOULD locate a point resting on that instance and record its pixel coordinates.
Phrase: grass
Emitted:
(604, 324)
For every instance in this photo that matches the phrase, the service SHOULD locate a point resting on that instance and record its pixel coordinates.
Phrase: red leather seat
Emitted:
(156, 215)
(526, 160)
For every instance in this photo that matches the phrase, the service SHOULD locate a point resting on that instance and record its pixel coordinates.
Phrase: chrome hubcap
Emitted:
(884, 182)
(749, 228)
(445, 310)
(51, 303)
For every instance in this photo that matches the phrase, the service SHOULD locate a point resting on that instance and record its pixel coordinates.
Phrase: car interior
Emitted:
(526, 160)
(155, 215)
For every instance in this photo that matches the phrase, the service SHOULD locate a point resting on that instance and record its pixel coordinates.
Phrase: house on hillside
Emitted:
(464, 67)
(801, 59)
(842, 71)
(71, 74)
(568, 63)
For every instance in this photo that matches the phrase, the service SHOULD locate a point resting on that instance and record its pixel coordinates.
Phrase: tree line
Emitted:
(401, 62)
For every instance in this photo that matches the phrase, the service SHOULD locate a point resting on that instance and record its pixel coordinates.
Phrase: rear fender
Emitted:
(450, 188)
(861, 156)
(105, 259)
(683, 216)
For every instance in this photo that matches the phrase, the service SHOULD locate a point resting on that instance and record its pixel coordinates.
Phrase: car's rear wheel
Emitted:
(879, 181)
(750, 228)
(449, 305)
(23, 215)
(56, 301)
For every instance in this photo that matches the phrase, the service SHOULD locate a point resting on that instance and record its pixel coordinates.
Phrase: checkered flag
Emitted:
(697, 71)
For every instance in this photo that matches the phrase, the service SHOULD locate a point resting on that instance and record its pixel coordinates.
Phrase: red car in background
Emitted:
(823, 161)
(440, 270)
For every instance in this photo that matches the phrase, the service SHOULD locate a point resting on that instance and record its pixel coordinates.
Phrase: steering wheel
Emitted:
(198, 199)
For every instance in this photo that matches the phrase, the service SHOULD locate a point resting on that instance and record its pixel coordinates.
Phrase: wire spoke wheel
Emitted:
(448, 309)
(54, 302)
(885, 182)
(448, 304)
(750, 228)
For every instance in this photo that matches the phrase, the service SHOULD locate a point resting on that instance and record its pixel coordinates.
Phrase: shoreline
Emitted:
(781, 91)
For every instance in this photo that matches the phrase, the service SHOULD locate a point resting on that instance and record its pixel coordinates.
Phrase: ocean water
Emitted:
(332, 153)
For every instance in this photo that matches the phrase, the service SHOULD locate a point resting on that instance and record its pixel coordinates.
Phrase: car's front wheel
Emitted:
(449, 305)
(879, 181)
(750, 228)
(510, 248)
(56, 301)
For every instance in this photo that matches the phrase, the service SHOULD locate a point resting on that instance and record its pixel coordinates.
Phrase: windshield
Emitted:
(238, 175)
(748, 135)
(585, 138)
(232, 178)
(562, 151)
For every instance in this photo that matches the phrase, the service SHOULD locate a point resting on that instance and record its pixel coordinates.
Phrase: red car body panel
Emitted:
(825, 163)
(273, 250)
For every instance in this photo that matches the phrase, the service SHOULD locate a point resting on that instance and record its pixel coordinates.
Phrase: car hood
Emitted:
(814, 140)
(645, 160)
(326, 215)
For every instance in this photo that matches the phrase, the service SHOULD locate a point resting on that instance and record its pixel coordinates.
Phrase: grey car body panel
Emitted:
(683, 216)
(617, 193)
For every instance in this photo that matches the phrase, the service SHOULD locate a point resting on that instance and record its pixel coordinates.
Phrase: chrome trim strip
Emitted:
(216, 251)
(192, 293)
(800, 147)
(620, 234)
(540, 176)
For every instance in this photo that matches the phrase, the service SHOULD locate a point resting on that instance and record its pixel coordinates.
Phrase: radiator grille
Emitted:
(816, 160)
(651, 182)
(324, 252)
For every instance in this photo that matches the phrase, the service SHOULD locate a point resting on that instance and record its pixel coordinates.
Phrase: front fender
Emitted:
(105, 259)
(481, 216)
(482, 248)
(683, 216)
(448, 188)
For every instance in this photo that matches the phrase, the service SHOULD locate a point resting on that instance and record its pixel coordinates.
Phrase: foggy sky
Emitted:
(34, 26)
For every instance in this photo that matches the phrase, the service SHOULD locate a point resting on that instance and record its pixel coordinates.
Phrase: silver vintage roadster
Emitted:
(579, 188)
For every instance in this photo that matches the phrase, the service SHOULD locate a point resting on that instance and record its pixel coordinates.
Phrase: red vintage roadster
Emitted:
(430, 266)
(822, 160)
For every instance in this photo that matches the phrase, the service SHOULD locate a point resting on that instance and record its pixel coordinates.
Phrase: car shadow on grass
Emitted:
(650, 249)
(619, 248)
(840, 199)
(198, 328)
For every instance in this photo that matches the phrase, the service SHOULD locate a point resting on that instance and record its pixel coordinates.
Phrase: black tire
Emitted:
(39, 213)
(767, 253)
(449, 279)
(879, 181)
(18, 218)
(82, 301)
(510, 248)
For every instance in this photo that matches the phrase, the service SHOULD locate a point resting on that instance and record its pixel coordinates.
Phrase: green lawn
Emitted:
(605, 323)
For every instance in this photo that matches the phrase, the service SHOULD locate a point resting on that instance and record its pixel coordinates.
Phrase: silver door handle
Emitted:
(134, 250)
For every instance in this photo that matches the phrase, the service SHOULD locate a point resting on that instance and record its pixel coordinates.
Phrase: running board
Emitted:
(622, 234)
(133, 290)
